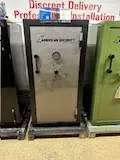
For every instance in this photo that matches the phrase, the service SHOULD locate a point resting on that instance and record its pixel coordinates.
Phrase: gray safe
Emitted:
(56, 59)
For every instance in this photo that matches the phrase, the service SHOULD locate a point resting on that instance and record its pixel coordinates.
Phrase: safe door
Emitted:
(106, 93)
(110, 98)
(56, 66)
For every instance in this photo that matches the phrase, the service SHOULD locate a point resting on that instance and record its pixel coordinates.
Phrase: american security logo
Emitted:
(42, 38)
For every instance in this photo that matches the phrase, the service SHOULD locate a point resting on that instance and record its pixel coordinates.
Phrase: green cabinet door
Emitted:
(105, 105)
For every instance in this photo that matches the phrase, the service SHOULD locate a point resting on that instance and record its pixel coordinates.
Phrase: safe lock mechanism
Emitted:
(57, 71)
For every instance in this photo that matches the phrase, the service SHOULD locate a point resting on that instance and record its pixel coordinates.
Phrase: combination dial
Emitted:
(56, 55)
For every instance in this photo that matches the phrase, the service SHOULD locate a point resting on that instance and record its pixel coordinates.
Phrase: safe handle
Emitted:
(111, 57)
(36, 63)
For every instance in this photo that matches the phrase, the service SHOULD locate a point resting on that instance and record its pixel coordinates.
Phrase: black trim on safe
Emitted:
(74, 23)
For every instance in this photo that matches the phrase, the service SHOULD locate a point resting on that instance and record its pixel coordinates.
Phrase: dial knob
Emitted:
(56, 55)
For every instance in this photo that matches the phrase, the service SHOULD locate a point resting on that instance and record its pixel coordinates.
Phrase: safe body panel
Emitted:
(105, 107)
(10, 115)
(54, 54)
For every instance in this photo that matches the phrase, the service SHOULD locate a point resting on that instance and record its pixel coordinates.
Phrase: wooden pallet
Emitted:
(92, 131)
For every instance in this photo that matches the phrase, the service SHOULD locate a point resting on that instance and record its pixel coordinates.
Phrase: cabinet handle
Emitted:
(36, 63)
(111, 57)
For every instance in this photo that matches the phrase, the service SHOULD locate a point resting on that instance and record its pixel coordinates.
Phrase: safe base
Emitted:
(93, 131)
(34, 132)
(19, 133)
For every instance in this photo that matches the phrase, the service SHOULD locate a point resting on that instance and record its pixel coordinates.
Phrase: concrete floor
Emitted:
(100, 148)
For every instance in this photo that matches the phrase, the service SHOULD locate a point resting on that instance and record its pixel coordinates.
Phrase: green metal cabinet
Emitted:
(105, 107)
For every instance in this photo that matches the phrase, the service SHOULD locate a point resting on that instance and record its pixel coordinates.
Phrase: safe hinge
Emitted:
(10, 57)
(80, 39)
(14, 115)
(75, 112)
(80, 44)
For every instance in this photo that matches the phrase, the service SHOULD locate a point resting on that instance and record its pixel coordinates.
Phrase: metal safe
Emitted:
(105, 100)
(56, 59)
(9, 102)
(11, 112)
